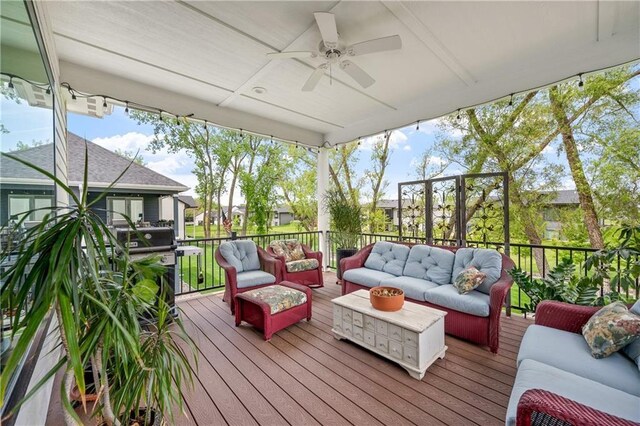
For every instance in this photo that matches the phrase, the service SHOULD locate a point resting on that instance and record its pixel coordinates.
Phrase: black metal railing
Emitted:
(198, 270)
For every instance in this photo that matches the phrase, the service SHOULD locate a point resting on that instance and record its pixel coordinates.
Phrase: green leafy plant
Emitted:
(346, 220)
(560, 284)
(63, 265)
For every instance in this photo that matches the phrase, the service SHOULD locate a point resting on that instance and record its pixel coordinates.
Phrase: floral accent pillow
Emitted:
(289, 249)
(610, 329)
(469, 279)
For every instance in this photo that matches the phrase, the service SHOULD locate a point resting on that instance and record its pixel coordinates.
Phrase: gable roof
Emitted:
(188, 200)
(104, 167)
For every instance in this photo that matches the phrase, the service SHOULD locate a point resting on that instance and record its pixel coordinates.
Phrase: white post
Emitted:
(323, 216)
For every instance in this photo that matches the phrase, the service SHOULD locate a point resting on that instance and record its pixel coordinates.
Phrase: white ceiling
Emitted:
(454, 54)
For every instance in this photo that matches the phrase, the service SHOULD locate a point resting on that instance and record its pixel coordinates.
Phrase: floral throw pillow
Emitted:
(469, 279)
(610, 329)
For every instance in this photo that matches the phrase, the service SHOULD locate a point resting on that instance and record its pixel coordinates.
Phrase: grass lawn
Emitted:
(199, 230)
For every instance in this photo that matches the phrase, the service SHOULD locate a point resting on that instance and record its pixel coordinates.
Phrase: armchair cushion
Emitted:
(291, 250)
(366, 277)
(388, 257)
(253, 278)
(536, 375)
(570, 352)
(430, 263)
(413, 288)
(488, 261)
(241, 254)
(302, 265)
(472, 303)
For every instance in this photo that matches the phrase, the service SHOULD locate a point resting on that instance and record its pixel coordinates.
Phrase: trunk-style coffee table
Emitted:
(413, 337)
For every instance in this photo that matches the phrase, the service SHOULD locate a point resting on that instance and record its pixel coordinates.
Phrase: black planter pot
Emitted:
(341, 254)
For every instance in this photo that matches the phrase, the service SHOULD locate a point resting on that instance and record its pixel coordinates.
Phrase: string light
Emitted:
(511, 100)
(241, 133)
(73, 96)
(271, 139)
(418, 126)
(11, 82)
(161, 117)
(126, 108)
(359, 140)
(580, 83)
(48, 91)
(458, 116)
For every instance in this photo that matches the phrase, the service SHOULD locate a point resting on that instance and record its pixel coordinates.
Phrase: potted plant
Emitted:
(346, 225)
(67, 264)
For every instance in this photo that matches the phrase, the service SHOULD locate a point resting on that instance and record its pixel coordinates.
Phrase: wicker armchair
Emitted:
(298, 263)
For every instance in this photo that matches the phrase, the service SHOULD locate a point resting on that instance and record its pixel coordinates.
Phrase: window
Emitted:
(119, 207)
(21, 204)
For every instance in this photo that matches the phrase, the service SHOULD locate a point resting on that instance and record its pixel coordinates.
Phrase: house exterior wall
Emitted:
(7, 191)
(286, 218)
(150, 203)
(166, 213)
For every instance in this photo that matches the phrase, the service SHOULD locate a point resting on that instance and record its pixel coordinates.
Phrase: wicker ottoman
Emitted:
(274, 307)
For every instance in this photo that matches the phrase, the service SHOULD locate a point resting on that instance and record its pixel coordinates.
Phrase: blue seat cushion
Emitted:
(536, 375)
(366, 277)
(484, 260)
(241, 254)
(253, 278)
(387, 257)
(472, 303)
(632, 350)
(413, 288)
(570, 352)
(430, 263)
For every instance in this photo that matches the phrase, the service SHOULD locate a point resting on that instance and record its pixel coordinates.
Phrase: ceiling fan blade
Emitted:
(314, 79)
(327, 24)
(376, 45)
(291, 55)
(357, 73)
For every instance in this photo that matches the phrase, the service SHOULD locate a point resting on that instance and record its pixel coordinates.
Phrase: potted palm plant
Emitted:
(67, 264)
(346, 225)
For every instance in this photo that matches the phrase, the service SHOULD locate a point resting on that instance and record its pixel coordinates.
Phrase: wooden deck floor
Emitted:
(304, 376)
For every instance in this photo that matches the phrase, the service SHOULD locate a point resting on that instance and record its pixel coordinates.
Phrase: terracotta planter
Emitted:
(389, 299)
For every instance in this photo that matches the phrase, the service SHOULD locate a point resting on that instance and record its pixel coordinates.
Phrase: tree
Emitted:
(380, 153)
(342, 164)
(298, 186)
(136, 157)
(21, 146)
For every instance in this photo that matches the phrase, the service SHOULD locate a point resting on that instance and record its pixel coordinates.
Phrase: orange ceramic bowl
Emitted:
(387, 299)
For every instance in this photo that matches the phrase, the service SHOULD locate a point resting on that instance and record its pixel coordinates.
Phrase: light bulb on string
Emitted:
(126, 108)
(458, 116)
(580, 82)
(104, 104)
(511, 100)
(418, 126)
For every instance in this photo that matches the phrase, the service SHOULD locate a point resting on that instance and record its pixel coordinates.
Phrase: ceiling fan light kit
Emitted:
(333, 51)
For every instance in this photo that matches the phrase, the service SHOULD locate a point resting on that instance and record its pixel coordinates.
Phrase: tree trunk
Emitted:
(577, 171)
(234, 179)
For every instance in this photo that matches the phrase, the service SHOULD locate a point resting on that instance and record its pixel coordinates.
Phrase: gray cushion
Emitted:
(430, 263)
(241, 254)
(413, 288)
(365, 276)
(473, 303)
(570, 352)
(536, 375)
(484, 260)
(632, 350)
(387, 257)
(251, 278)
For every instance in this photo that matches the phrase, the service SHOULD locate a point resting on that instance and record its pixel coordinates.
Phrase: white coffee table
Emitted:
(412, 337)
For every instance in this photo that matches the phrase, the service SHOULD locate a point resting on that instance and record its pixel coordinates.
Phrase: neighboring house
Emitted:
(237, 215)
(282, 215)
(167, 207)
(136, 194)
(563, 199)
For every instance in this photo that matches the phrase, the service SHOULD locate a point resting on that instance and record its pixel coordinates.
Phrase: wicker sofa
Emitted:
(425, 274)
(559, 381)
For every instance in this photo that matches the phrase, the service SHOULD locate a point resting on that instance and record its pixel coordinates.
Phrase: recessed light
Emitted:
(259, 90)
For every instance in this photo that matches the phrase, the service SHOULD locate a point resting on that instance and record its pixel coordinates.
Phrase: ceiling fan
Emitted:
(334, 51)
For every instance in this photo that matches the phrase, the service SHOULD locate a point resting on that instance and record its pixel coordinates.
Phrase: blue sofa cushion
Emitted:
(413, 288)
(472, 303)
(430, 263)
(241, 254)
(484, 260)
(366, 277)
(387, 257)
(252, 278)
(536, 375)
(632, 350)
(570, 352)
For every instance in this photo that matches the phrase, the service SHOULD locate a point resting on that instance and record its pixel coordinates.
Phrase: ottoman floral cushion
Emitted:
(610, 329)
(302, 265)
(279, 298)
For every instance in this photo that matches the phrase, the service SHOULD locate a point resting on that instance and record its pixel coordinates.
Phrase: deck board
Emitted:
(304, 376)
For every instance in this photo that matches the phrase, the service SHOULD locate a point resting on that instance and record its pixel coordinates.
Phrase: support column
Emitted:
(323, 216)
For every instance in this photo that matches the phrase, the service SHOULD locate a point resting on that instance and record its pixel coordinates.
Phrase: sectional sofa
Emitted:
(425, 273)
(559, 382)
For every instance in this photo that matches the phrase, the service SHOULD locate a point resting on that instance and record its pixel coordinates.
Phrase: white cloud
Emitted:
(132, 141)
(407, 148)
(434, 127)
(398, 139)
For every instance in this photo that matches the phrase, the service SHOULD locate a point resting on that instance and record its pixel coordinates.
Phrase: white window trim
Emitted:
(32, 203)
(127, 206)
